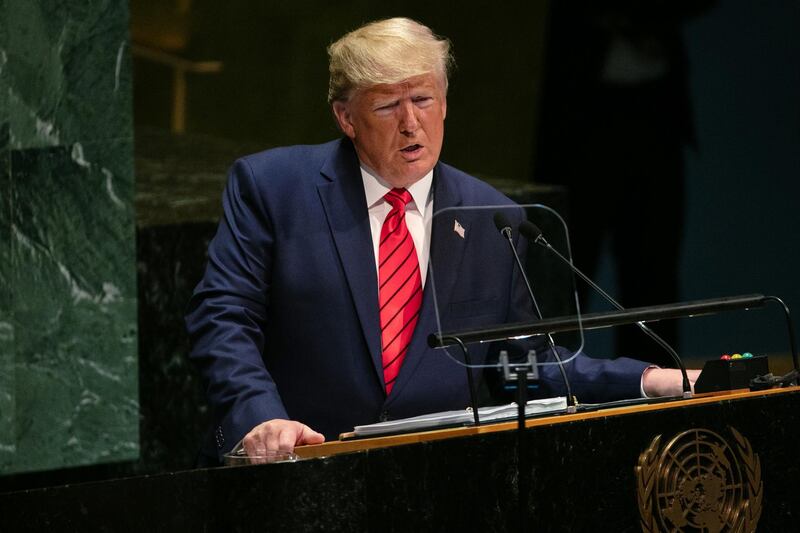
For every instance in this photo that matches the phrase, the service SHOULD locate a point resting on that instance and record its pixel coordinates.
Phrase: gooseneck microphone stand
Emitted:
(532, 232)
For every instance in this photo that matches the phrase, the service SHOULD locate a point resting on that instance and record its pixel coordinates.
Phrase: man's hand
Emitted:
(666, 381)
(279, 435)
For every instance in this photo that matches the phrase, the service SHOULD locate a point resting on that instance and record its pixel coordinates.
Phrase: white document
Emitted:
(449, 418)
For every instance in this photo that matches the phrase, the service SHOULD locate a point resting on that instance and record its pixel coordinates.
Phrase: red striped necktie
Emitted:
(400, 286)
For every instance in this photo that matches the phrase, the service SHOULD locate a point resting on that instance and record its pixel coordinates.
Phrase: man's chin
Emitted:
(411, 173)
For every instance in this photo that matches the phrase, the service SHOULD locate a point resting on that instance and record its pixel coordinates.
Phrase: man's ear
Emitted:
(342, 113)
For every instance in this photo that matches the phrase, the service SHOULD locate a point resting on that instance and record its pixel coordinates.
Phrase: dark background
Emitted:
(740, 226)
(273, 89)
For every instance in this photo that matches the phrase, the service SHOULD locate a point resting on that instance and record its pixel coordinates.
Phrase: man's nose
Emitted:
(408, 118)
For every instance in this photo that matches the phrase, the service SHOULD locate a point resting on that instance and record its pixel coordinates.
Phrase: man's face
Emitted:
(398, 128)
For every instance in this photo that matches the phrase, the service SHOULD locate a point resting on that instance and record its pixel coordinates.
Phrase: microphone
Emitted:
(530, 231)
(502, 224)
(504, 227)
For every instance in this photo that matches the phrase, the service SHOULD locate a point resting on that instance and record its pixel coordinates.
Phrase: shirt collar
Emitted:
(375, 188)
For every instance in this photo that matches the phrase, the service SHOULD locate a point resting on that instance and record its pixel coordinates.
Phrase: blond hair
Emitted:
(386, 51)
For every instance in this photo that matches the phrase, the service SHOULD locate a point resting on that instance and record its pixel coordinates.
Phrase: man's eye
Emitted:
(423, 100)
(386, 107)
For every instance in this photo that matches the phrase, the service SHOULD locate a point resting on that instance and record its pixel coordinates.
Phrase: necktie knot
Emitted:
(398, 198)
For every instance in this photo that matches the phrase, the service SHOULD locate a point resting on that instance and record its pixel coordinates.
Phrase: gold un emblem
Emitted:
(699, 483)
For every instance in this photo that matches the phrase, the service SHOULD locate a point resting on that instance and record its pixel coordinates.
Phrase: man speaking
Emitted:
(314, 309)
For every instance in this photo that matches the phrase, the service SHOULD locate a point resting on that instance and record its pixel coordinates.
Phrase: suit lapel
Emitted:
(346, 210)
(447, 251)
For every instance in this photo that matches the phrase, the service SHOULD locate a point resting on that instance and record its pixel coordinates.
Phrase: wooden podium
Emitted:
(715, 463)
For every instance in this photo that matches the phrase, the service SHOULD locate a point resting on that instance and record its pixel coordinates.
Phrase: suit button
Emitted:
(384, 416)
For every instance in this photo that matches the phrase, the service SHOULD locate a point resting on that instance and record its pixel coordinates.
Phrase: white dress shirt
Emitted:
(419, 213)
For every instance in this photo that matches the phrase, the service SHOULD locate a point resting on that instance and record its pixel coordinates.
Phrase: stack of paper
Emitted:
(451, 418)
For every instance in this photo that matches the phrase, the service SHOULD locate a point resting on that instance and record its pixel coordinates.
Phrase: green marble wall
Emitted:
(68, 336)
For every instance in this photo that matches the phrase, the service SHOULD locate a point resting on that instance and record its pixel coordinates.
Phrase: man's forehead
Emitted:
(423, 81)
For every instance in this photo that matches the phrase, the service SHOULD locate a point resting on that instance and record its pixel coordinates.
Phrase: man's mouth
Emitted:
(411, 148)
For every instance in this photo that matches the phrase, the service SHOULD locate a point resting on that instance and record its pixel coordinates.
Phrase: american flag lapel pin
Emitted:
(459, 229)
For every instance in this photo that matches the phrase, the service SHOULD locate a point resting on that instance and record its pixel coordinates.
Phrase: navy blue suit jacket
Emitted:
(284, 323)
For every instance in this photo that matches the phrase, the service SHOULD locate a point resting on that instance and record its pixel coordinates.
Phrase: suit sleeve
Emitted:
(227, 315)
(592, 380)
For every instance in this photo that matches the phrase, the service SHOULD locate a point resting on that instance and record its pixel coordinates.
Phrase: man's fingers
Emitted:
(254, 446)
(288, 437)
(693, 375)
(309, 436)
(272, 437)
(279, 435)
